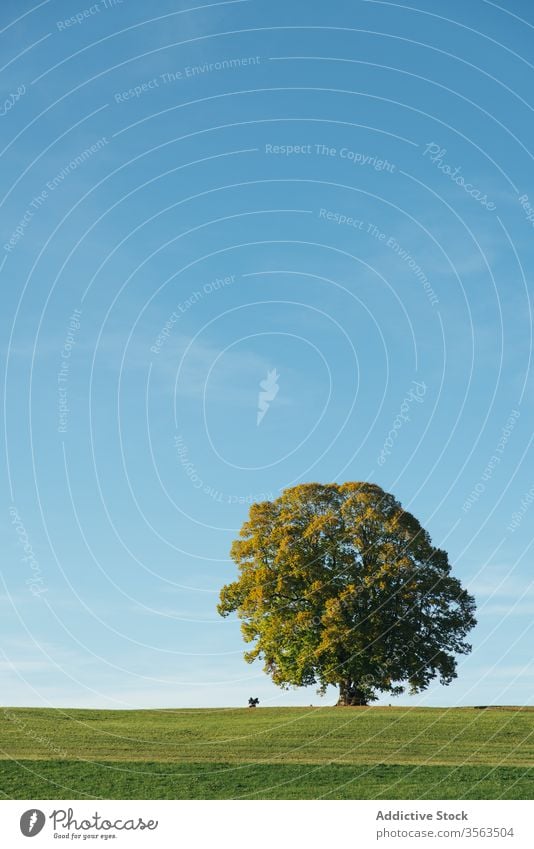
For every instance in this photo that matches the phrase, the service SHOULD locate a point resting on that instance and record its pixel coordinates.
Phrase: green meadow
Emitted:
(268, 753)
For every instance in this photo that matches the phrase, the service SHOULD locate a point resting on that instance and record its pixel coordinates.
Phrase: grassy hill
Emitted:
(275, 753)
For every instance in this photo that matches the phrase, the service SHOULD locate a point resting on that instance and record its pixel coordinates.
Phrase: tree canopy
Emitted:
(339, 585)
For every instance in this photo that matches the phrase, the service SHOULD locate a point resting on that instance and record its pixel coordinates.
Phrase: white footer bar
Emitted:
(262, 824)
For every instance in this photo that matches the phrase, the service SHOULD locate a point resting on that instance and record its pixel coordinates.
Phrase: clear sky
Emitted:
(340, 195)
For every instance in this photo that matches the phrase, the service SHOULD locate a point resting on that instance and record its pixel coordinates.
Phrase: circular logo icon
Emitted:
(32, 822)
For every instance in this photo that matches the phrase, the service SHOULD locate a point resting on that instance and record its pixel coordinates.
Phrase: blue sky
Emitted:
(336, 192)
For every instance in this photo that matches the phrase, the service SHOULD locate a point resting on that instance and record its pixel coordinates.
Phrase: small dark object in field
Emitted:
(481, 707)
(253, 702)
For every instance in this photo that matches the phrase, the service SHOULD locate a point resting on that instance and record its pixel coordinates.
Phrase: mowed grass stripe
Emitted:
(149, 780)
(414, 736)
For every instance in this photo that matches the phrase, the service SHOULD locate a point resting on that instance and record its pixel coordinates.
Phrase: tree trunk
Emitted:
(351, 696)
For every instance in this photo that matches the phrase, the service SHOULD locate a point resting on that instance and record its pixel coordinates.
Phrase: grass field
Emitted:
(268, 753)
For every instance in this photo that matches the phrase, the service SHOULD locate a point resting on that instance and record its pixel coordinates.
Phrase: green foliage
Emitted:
(339, 585)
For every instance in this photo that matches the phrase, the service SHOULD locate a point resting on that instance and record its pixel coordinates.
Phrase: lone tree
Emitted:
(339, 585)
